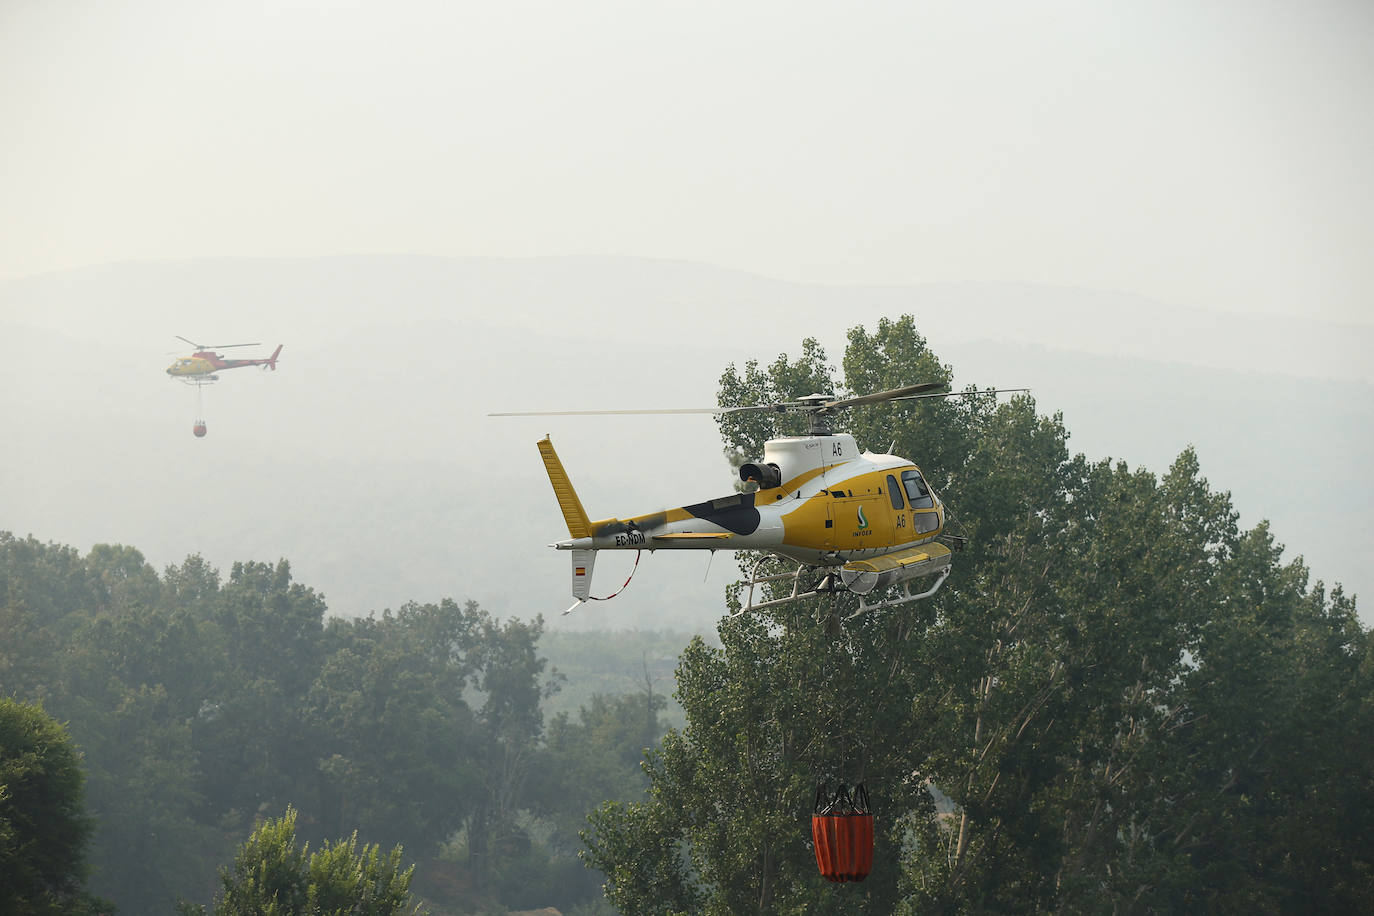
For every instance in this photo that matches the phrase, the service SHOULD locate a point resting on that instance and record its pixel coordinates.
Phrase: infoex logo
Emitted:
(863, 519)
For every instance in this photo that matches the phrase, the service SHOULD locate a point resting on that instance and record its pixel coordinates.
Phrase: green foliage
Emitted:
(273, 875)
(783, 380)
(510, 722)
(202, 704)
(598, 757)
(615, 663)
(393, 732)
(43, 827)
(1121, 701)
(892, 356)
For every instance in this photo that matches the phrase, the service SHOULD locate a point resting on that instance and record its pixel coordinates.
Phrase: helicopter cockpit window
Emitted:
(916, 490)
(894, 492)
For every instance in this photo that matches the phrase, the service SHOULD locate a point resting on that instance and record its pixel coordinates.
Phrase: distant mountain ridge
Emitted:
(607, 294)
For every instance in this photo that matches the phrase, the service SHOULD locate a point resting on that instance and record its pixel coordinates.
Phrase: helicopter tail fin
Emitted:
(272, 360)
(582, 562)
(579, 526)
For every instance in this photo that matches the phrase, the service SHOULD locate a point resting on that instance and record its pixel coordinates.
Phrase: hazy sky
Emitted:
(1206, 154)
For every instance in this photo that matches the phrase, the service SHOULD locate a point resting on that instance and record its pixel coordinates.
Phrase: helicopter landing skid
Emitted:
(828, 584)
(825, 586)
(906, 597)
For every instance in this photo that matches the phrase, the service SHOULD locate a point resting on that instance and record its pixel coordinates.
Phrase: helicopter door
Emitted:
(857, 522)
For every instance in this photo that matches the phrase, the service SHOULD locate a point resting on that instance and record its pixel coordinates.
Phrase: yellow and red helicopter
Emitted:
(200, 367)
(846, 520)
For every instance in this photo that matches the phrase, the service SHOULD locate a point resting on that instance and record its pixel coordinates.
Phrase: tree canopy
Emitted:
(1120, 701)
(274, 874)
(202, 704)
(43, 825)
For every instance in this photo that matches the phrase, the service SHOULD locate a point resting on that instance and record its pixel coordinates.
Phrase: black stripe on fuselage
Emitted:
(733, 513)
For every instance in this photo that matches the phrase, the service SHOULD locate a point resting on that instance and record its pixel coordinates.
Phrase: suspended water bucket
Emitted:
(842, 832)
(199, 429)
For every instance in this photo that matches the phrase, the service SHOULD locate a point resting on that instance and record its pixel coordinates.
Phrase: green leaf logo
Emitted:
(863, 519)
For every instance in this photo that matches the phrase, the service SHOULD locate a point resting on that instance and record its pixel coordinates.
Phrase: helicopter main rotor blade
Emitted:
(609, 413)
(892, 394)
(960, 394)
(908, 393)
(214, 346)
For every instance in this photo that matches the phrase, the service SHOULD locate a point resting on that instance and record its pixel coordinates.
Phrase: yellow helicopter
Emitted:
(846, 520)
(200, 367)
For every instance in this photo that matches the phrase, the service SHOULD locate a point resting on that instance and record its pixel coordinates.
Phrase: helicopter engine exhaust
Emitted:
(766, 475)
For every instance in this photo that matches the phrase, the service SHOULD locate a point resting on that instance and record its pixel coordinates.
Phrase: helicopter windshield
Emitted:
(916, 490)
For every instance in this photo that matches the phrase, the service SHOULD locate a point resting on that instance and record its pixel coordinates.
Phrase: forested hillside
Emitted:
(1123, 701)
(204, 705)
(614, 663)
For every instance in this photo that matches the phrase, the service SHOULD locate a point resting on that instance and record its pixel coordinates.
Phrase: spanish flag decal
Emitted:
(580, 571)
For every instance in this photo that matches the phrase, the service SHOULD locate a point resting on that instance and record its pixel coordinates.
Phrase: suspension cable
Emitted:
(622, 587)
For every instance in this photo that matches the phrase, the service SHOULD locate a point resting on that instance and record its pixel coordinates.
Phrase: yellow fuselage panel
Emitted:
(193, 365)
(858, 513)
